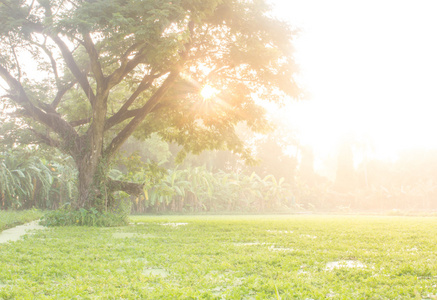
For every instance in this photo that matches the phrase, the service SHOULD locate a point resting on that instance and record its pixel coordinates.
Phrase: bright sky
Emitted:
(371, 69)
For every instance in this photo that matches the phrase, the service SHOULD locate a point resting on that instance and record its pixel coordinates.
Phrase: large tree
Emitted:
(87, 74)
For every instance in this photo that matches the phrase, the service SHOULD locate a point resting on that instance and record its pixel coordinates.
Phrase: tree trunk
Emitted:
(92, 175)
(95, 187)
(88, 184)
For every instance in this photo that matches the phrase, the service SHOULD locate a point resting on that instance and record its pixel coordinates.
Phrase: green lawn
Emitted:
(11, 218)
(219, 257)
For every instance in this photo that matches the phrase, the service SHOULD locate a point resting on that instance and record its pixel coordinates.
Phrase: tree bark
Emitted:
(90, 179)
(86, 178)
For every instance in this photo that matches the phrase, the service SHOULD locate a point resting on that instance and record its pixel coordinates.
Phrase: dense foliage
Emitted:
(198, 189)
(34, 179)
(30, 180)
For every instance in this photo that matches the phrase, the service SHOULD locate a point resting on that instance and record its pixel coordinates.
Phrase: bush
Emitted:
(83, 217)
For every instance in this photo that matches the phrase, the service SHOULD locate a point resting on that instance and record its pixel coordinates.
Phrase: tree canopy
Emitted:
(84, 75)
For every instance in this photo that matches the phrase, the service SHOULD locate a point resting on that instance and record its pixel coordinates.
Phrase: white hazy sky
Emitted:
(371, 69)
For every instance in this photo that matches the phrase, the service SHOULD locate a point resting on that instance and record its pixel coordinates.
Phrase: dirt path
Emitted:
(15, 233)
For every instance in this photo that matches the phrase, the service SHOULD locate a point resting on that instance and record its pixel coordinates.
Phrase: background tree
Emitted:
(86, 75)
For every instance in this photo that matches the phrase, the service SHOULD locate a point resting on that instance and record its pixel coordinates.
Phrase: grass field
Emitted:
(11, 218)
(219, 257)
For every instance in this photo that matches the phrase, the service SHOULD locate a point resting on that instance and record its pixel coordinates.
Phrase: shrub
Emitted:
(85, 217)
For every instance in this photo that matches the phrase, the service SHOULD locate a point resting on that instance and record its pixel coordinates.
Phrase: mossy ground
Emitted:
(219, 257)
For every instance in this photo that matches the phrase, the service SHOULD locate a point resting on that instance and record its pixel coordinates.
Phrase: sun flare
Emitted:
(208, 92)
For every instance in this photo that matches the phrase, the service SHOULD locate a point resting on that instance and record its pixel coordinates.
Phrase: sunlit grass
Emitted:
(11, 218)
(223, 257)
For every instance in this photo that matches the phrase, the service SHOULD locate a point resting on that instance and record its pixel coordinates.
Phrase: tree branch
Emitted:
(46, 139)
(71, 63)
(62, 89)
(124, 59)
(16, 61)
(142, 113)
(68, 57)
(120, 118)
(94, 59)
(124, 134)
(130, 114)
(51, 120)
(80, 122)
(61, 92)
(52, 60)
(131, 188)
(125, 56)
(125, 67)
(120, 115)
